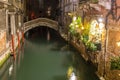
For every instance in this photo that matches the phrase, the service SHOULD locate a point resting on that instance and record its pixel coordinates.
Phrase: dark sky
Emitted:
(40, 7)
(43, 3)
(52, 3)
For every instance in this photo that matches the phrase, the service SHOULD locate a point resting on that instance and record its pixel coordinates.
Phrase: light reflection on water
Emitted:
(48, 60)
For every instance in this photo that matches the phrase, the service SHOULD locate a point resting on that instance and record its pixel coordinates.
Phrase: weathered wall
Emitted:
(112, 42)
(2, 30)
(2, 40)
(118, 10)
(2, 19)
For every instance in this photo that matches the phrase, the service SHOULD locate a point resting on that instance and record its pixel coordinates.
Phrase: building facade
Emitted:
(68, 8)
(104, 41)
(11, 23)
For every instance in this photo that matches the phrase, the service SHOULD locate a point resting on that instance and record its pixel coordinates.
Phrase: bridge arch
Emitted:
(40, 22)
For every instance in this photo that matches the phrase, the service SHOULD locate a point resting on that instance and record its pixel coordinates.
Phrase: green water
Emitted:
(41, 59)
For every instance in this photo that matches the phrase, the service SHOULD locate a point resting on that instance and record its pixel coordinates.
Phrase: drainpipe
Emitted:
(18, 39)
(13, 49)
(13, 31)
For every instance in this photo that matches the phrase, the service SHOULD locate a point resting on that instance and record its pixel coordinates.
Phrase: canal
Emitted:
(46, 56)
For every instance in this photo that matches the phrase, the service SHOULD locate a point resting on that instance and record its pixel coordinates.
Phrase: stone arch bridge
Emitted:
(40, 22)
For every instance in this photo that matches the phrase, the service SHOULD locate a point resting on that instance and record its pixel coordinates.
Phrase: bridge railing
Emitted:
(41, 21)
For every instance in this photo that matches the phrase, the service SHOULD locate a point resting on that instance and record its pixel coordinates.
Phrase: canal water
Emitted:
(46, 56)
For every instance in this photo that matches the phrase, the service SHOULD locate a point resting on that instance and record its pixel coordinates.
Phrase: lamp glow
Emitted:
(118, 74)
(100, 19)
(74, 18)
(77, 26)
(118, 44)
(82, 27)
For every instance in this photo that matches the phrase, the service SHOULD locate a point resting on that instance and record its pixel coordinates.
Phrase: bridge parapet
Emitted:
(40, 22)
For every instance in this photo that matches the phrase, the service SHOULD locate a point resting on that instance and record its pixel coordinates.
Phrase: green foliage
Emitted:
(72, 30)
(84, 39)
(91, 46)
(79, 21)
(115, 63)
(83, 33)
(72, 26)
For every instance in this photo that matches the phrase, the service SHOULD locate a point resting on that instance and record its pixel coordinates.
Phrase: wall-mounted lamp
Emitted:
(101, 19)
(118, 43)
(82, 28)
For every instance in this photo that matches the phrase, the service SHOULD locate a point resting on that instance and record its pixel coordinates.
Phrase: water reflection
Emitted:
(73, 76)
(10, 69)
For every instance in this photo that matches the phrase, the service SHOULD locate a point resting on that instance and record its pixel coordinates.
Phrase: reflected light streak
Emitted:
(10, 69)
(72, 76)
